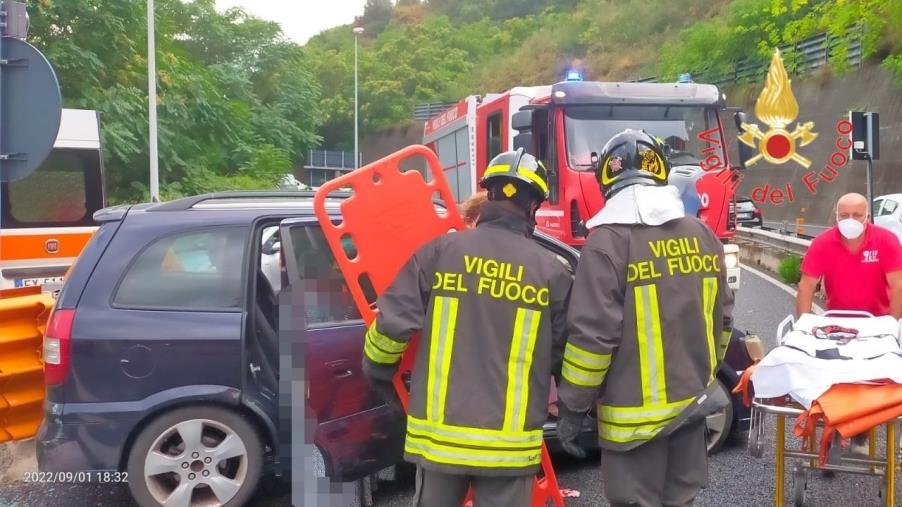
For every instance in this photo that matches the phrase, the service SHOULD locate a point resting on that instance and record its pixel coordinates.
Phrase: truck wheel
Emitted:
(719, 424)
(196, 456)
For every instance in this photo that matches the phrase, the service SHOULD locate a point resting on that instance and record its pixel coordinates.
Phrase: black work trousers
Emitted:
(667, 471)
(435, 489)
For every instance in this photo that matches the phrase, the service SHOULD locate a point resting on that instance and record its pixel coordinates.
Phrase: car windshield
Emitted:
(685, 131)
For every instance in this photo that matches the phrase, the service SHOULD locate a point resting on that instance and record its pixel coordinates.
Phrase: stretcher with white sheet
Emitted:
(821, 358)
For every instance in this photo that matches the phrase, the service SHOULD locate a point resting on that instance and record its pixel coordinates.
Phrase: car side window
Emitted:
(327, 298)
(191, 271)
(889, 207)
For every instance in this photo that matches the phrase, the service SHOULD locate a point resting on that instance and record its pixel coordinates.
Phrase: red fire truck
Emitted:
(568, 123)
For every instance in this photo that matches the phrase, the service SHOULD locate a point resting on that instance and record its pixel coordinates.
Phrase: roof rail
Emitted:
(189, 202)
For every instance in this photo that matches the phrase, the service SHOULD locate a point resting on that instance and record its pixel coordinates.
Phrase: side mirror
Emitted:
(526, 141)
(745, 151)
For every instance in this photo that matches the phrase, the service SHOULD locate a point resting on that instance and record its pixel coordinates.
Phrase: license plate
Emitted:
(34, 282)
(745, 215)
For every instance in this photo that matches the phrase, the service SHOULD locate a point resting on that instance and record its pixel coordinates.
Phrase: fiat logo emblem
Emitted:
(52, 246)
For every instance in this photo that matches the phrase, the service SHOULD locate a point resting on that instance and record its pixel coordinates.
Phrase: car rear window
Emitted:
(194, 271)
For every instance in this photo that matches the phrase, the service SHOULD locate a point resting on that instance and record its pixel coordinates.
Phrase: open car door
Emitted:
(390, 214)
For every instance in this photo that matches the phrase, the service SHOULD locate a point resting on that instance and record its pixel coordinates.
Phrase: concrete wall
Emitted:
(387, 141)
(825, 100)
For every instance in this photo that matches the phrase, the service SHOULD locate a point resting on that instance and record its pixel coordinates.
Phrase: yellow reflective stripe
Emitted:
(384, 342)
(581, 377)
(532, 176)
(725, 336)
(441, 346)
(522, 171)
(379, 356)
(475, 437)
(470, 441)
(470, 432)
(631, 433)
(709, 294)
(526, 327)
(651, 346)
(586, 359)
(642, 414)
(496, 169)
(471, 457)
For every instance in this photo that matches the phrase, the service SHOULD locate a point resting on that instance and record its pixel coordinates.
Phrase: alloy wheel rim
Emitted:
(196, 463)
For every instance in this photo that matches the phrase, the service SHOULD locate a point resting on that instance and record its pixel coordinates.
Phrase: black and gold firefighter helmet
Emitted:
(632, 157)
(517, 169)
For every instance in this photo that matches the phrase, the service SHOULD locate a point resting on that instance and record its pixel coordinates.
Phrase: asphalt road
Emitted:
(736, 479)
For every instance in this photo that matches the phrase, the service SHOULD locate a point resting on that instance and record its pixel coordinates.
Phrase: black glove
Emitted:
(569, 426)
(380, 379)
(387, 393)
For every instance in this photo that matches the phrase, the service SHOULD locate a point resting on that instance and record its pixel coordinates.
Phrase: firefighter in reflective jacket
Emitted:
(490, 306)
(649, 322)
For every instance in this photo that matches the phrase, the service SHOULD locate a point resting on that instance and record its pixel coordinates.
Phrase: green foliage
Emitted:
(751, 29)
(790, 269)
(238, 105)
(236, 102)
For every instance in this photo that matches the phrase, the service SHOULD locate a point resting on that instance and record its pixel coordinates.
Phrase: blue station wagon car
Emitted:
(182, 329)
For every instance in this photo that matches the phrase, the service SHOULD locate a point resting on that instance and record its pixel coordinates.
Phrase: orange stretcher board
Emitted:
(389, 215)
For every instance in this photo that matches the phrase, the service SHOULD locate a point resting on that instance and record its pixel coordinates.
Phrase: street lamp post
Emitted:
(357, 31)
(152, 104)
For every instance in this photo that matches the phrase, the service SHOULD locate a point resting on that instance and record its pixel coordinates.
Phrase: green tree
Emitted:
(235, 100)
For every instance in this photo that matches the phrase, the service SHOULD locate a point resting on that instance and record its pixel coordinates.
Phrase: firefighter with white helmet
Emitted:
(489, 304)
(649, 321)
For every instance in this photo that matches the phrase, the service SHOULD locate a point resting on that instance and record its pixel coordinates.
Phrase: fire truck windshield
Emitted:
(589, 127)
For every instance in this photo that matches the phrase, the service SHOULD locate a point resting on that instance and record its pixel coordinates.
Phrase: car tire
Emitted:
(719, 424)
(217, 455)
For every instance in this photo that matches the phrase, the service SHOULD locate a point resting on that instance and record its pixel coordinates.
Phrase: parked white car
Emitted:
(887, 210)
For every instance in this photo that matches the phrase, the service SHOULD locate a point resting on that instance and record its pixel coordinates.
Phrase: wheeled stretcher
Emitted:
(817, 332)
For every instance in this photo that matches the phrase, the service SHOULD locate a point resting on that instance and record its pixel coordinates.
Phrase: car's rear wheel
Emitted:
(719, 424)
(196, 457)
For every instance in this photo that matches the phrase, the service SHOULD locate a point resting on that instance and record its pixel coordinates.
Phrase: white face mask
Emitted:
(850, 228)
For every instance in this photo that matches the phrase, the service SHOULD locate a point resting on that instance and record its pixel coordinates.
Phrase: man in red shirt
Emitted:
(861, 265)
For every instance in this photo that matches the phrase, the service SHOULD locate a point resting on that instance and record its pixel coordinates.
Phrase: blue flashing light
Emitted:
(573, 75)
(685, 78)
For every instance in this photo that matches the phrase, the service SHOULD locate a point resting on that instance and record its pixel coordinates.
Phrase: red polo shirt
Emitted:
(855, 280)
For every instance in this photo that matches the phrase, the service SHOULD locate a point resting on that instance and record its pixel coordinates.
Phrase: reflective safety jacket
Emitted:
(649, 320)
(490, 305)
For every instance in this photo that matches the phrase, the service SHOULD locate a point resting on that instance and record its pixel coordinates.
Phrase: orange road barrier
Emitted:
(389, 216)
(22, 323)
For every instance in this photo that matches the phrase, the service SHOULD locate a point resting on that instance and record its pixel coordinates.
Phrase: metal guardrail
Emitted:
(785, 242)
(423, 112)
(803, 56)
(809, 231)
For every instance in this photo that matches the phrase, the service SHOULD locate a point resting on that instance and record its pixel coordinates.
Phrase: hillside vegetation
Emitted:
(441, 50)
(239, 105)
